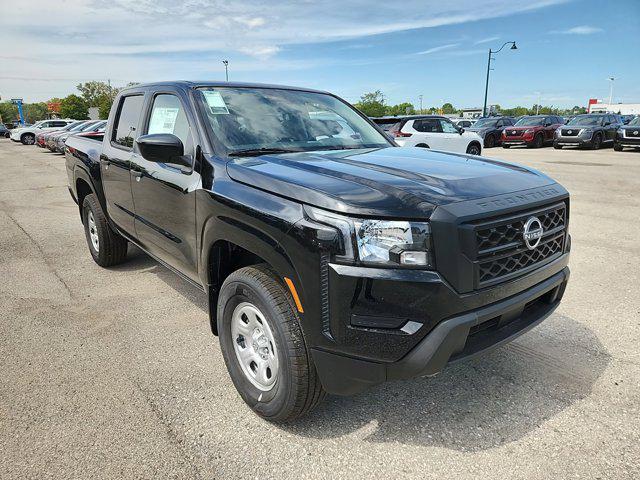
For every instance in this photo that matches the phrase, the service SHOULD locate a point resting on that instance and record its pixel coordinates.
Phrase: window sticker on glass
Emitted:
(163, 120)
(215, 102)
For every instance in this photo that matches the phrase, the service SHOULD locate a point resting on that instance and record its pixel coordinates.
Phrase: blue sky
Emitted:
(566, 48)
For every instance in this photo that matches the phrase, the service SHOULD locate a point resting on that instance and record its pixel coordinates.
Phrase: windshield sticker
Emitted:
(163, 120)
(215, 102)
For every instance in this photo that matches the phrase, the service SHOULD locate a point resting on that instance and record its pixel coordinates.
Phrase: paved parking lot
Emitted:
(114, 373)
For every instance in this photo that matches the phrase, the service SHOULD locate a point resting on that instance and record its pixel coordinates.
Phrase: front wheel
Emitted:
(490, 141)
(263, 346)
(107, 247)
(596, 142)
(557, 146)
(617, 148)
(28, 139)
(473, 149)
(538, 141)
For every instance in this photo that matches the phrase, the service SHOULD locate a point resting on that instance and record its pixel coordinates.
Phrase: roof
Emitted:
(208, 83)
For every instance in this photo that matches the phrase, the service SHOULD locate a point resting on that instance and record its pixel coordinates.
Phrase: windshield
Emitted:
(586, 120)
(485, 122)
(635, 121)
(72, 127)
(529, 121)
(244, 119)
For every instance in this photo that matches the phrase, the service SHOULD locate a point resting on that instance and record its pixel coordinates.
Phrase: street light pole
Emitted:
(226, 69)
(611, 79)
(420, 97)
(486, 86)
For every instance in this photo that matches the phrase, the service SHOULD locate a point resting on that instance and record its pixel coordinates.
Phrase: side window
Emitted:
(168, 116)
(58, 124)
(447, 126)
(126, 124)
(45, 125)
(428, 125)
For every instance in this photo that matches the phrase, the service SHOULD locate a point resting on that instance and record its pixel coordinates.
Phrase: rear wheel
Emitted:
(28, 139)
(263, 346)
(473, 149)
(106, 246)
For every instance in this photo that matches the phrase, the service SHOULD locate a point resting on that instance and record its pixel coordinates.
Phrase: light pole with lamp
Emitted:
(486, 87)
(226, 69)
(611, 79)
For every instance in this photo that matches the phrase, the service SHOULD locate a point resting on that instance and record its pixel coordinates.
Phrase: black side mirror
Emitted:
(607, 123)
(162, 148)
(461, 130)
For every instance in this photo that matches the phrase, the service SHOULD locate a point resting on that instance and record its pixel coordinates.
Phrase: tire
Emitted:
(617, 148)
(538, 141)
(504, 145)
(422, 145)
(490, 141)
(474, 149)
(596, 143)
(557, 146)
(107, 247)
(28, 139)
(294, 389)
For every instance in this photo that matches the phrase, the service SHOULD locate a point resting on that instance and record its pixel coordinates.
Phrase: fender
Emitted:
(252, 219)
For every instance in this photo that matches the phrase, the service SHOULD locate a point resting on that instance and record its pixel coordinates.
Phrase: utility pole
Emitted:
(420, 97)
(226, 69)
(486, 86)
(538, 103)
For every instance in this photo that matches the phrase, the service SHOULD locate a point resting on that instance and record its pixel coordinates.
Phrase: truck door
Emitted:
(115, 161)
(163, 193)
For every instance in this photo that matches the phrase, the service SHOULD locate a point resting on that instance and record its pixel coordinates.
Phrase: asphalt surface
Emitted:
(115, 374)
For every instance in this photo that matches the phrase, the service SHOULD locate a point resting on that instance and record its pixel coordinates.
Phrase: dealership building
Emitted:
(598, 106)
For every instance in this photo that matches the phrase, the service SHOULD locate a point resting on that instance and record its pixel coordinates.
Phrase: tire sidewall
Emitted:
(490, 141)
(474, 146)
(26, 137)
(271, 403)
(86, 208)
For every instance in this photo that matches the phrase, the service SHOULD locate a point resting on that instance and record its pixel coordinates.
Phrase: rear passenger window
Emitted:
(124, 132)
(168, 116)
(427, 125)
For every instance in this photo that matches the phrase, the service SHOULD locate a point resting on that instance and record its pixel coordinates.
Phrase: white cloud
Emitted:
(437, 49)
(145, 40)
(486, 40)
(579, 30)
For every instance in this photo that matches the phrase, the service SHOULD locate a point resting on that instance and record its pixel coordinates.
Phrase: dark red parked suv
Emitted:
(533, 131)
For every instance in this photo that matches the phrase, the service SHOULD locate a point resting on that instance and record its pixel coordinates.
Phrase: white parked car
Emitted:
(464, 122)
(437, 133)
(27, 135)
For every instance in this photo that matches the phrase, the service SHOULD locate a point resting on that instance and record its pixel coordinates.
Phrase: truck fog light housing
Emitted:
(414, 258)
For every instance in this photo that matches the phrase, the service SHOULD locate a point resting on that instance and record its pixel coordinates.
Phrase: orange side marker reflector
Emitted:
(293, 291)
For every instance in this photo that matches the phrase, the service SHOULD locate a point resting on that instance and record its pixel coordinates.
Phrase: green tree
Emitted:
(8, 112)
(448, 109)
(75, 107)
(104, 107)
(35, 111)
(372, 104)
(405, 108)
(92, 92)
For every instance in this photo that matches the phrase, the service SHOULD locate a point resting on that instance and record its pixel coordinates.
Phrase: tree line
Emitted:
(90, 94)
(373, 104)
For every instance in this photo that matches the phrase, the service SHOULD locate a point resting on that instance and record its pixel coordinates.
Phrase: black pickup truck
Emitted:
(332, 259)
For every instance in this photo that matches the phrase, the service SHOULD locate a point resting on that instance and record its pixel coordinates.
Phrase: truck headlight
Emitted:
(393, 242)
(380, 242)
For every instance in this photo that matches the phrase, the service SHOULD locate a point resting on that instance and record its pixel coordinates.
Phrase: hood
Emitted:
(386, 182)
(522, 128)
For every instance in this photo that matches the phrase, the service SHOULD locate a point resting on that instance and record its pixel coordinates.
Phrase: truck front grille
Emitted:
(513, 133)
(570, 132)
(635, 133)
(500, 251)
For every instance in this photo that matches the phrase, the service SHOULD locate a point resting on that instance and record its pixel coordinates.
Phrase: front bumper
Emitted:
(576, 141)
(627, 142)
(451, 326)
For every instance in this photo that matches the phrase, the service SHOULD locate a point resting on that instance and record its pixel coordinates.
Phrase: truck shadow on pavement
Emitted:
(475, 405)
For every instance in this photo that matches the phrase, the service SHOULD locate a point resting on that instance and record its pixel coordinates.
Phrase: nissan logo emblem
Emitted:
(569, 132)
(635, 132)
(532, 232)
(513, 132)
